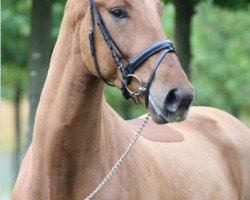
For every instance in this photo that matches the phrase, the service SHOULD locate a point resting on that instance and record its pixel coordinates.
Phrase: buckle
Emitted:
(141, 86)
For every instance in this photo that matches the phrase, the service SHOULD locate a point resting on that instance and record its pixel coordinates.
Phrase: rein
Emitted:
(132, 64)
(120, 160)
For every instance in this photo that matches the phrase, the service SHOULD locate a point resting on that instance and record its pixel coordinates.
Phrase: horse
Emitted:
(184, 152)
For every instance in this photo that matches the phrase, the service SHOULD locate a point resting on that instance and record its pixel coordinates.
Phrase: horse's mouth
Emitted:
(163, 116)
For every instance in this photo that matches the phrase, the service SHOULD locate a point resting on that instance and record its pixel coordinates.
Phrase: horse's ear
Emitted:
(74, 11)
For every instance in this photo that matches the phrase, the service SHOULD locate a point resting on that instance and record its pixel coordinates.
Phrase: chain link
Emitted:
(120, 160)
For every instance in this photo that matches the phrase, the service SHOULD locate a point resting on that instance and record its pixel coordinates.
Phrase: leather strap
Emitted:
(152, 74)
(157, 46)
(117, 53)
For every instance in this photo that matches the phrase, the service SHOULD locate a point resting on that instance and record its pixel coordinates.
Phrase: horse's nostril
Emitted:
(176, 99)
(186, 102)
(172, 96)
(173, 100)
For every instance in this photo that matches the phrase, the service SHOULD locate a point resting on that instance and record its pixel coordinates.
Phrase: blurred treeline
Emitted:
(219, 51)
(212, 40)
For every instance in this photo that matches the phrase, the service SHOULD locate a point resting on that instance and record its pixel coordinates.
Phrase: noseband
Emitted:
(132, 64)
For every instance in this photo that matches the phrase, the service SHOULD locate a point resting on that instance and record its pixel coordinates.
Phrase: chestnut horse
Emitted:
(78, 137)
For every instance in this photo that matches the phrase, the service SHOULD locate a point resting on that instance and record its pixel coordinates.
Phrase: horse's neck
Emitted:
(70, 133)
(72, 98)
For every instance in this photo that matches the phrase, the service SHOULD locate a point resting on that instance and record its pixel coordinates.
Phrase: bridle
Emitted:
(127, 72)
(131, 64)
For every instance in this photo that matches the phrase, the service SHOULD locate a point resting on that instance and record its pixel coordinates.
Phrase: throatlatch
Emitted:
(128, 70)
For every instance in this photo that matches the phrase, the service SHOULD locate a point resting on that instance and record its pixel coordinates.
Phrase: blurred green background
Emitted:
(212, 40)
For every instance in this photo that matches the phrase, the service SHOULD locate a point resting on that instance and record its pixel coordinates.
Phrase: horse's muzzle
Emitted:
(174, 108)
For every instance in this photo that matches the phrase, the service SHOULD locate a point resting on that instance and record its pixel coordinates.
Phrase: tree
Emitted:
(184, 11)
(39, 55)
(221, 59)
(15, 33)
(17, 151)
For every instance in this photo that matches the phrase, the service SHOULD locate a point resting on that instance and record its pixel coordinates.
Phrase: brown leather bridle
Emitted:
(127, 71)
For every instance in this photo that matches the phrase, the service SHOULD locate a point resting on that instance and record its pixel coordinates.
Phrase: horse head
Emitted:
(131, 52)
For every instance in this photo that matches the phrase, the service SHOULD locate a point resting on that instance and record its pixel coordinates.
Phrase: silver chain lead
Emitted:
(120, 160)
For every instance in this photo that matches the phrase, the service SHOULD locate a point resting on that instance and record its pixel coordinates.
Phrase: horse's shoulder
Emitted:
(229, 136)
(155, 132)
(227, 133)
(216, 119)
(215, 124)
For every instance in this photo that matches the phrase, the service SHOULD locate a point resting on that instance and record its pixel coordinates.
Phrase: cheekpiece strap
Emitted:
(117, 54)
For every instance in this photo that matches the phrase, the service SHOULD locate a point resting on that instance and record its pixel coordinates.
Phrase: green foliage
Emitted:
(189, 1)
(221, 49)
(168, 21)
(229, 4)
(232, 4)
(15, 44)
(58, 8)
(126, 109)
(15, 32)
(11, 76)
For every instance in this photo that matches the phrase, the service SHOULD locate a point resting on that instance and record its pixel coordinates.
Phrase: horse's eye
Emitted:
(118, 13)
